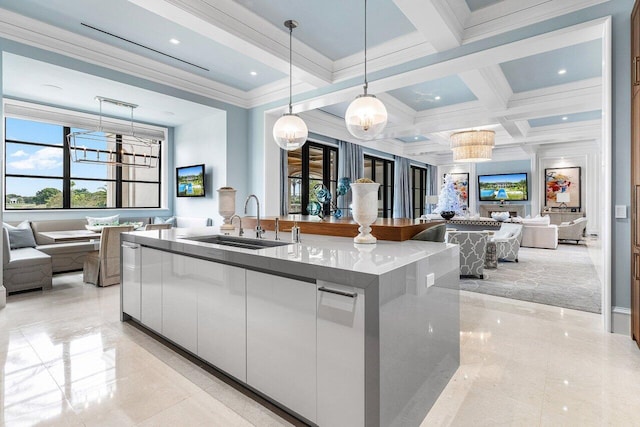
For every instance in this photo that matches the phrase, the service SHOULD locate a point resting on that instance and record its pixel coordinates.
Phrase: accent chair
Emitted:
(508, 240)
(573, 231)
(102, 267)
(473, 250)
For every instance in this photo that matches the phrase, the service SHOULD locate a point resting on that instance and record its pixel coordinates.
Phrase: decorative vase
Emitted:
(447, 214)
(365, 209)
(226, 206)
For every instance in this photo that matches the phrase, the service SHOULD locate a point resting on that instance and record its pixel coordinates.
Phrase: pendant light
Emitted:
(290, 131)
(366, 116)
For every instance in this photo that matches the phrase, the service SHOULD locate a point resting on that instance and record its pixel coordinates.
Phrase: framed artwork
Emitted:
(461, 185)
(562, 186)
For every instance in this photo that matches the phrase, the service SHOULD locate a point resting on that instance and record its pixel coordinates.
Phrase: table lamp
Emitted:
(563, 199)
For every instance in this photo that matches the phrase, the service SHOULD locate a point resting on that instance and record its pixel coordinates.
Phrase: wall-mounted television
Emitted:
(506, 186)
(190, 181)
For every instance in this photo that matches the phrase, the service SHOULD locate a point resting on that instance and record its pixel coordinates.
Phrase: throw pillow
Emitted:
(170, 220)
(105, 220)
(20, 236)
(432, 234)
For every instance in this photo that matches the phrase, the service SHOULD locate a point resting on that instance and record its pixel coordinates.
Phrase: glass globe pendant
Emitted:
(366, 116)
(290, 131)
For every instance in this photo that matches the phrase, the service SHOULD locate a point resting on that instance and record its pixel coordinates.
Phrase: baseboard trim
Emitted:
(621, 320)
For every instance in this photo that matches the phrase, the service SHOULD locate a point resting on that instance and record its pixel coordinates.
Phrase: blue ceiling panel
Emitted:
(417, 138)
(224, 64)
(556, 120)
(335, 28)
(437, 93)
(581, 61)
(479, 4)
(337, 110)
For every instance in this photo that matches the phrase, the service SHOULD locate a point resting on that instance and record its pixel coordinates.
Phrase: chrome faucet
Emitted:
(259, 230)
(240, 230)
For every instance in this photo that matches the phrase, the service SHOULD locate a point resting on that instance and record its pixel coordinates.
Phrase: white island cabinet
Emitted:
(340, 329)
(221, 317)
(337, 334)
(151, 289)
(281, 340)
(130, 282)
(180, 277)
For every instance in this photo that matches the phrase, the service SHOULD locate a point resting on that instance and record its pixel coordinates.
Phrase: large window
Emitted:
(419, 190)
(307, 166)
(39, 173)
(381, 171)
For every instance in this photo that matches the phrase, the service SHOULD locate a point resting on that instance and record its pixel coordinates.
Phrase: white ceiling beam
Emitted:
(437, 20)
(393, 52)
(232, 25)
(489, 85)
(398, 111)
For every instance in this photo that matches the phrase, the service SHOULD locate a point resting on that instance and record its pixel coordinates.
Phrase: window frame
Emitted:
(388, 171)
(305, 190)
(66, 177)
(419, 205)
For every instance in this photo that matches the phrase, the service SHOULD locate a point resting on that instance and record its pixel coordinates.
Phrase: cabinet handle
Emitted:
(635, 266)
(337, 292)
(636, 63)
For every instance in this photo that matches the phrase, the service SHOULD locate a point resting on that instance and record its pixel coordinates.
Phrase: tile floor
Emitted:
(68, 360)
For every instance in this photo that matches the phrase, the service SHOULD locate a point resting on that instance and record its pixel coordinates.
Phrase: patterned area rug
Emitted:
(564, 277)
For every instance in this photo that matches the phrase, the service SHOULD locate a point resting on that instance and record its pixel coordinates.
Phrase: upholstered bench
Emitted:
(24, 268)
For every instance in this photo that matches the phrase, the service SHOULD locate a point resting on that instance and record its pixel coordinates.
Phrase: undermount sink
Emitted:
(238, 242)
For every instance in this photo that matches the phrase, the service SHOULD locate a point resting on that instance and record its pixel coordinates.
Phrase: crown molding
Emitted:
(509, 15)
(234, 26)
(38, 34)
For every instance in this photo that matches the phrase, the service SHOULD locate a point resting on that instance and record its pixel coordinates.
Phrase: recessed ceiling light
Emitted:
(253, 73)
(562, 71)
(437, 98)
(565, 118)
(174, 41)
(415, 138)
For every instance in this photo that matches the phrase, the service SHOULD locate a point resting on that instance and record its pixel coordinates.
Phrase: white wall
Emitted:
(588, 159)
(203, 141)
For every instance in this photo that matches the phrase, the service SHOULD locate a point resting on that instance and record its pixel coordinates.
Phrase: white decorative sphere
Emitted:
(366, 117)
(290, 132)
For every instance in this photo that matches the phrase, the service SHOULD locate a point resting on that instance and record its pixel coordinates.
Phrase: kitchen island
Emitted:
(338, 334)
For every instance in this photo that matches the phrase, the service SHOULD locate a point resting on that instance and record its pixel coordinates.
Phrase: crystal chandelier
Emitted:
(114, 148)
(473, 145)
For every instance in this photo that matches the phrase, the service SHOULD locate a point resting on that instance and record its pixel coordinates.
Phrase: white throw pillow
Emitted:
(105, 220)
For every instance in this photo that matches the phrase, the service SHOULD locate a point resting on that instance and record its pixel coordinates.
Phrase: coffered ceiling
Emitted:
(238, 51)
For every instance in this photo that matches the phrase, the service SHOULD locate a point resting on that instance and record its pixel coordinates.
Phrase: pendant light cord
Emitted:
(366, 83)
(290, 69)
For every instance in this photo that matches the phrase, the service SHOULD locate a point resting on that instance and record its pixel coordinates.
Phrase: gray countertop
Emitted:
(317, 257)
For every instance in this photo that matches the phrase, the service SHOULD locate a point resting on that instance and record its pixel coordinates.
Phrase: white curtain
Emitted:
(402, 200)
(350, 165)
(432, 185)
